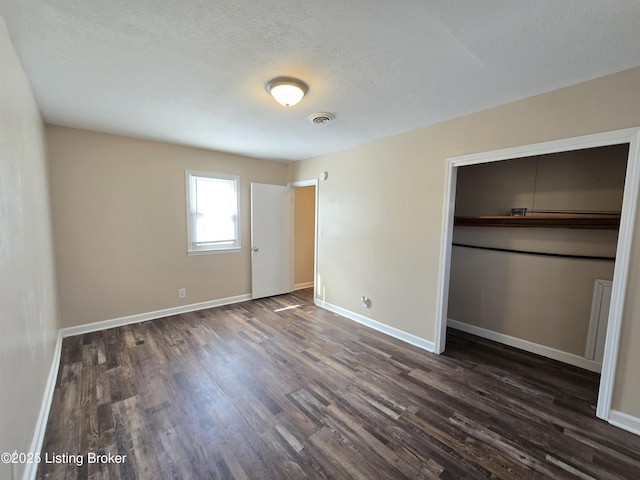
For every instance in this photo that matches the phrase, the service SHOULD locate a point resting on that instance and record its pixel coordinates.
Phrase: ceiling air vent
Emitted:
(320, 118)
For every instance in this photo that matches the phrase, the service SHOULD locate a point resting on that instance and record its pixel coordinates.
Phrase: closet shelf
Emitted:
(595, 222)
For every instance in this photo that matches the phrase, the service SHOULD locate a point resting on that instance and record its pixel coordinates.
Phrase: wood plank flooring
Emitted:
(280, 389)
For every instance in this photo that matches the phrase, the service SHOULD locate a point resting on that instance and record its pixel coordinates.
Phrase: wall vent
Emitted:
(599, 320)
(320, 118)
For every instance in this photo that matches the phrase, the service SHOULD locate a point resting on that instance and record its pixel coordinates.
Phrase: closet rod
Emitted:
(544, 254)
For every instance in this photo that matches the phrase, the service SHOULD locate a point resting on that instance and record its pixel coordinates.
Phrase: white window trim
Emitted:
(209, 249)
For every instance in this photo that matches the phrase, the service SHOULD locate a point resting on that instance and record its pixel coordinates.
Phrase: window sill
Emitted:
(191, 253)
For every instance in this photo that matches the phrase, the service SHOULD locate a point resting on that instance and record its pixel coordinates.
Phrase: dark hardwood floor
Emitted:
(280, 389)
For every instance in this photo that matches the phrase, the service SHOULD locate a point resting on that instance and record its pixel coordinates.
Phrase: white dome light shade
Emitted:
(287, 91)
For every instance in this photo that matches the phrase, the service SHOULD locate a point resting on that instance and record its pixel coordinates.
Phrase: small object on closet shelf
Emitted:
(518, 212)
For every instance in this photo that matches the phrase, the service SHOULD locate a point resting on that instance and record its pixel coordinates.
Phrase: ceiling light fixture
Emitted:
(287, 91)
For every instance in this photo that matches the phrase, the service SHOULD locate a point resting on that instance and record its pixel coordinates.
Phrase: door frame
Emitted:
(629, 136)
(308, 183)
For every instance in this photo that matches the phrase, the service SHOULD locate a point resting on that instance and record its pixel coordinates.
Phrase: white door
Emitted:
(270, 240)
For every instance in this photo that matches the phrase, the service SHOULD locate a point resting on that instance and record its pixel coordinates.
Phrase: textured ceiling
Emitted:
(193, 71)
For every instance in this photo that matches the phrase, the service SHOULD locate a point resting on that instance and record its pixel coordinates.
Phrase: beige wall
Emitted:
(381, 207)
(28, 311)
(120, 225)
(544, 300)
(626, 392)
(304, 233)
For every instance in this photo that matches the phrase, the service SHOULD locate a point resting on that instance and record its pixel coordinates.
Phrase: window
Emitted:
(213, 207)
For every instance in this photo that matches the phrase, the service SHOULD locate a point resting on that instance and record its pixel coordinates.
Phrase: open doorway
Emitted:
(630, 197)
(305, 201)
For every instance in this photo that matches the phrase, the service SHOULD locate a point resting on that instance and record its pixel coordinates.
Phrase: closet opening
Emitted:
(533, 239)
(497, 275)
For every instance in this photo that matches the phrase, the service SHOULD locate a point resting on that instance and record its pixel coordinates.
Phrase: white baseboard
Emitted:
(381, 327)
(527, 346)
(31, 469)
(300, 286)
(625, 421)
(143, 317)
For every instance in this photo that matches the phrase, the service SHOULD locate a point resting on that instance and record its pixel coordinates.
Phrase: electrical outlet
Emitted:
(182, 292)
